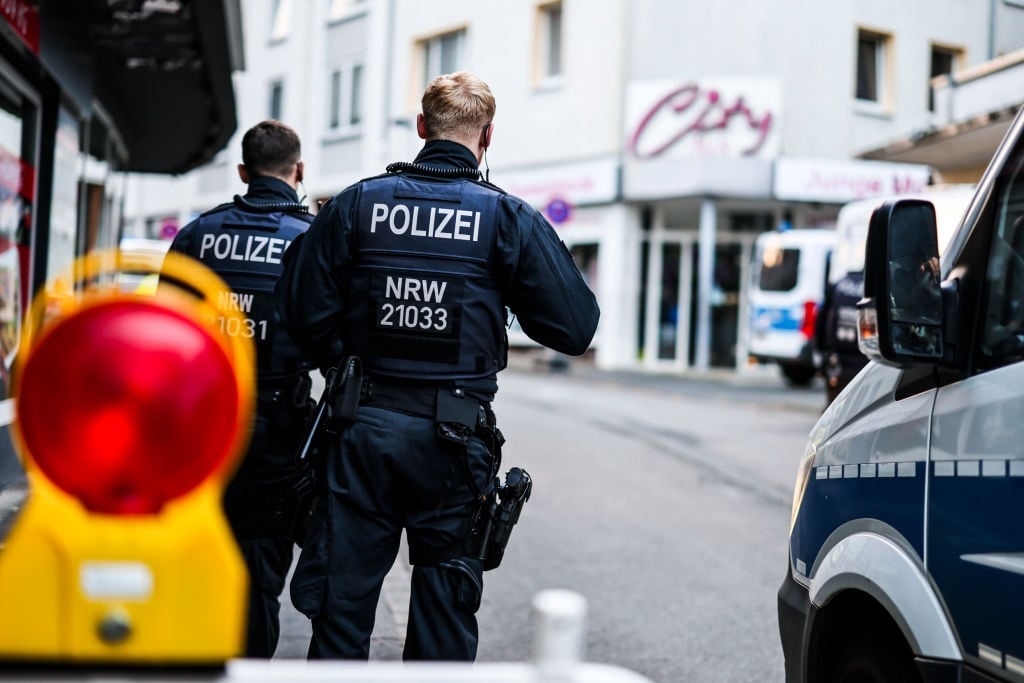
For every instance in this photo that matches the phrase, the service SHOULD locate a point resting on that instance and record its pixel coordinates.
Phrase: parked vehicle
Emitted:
(836, 334)
(788, 283)
(906, 552)
(153, 251)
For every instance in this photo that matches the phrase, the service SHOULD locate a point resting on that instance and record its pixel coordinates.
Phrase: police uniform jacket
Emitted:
(244, 241)
(413, 271)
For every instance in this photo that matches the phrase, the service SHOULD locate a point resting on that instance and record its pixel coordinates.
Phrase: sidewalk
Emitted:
(762, 384)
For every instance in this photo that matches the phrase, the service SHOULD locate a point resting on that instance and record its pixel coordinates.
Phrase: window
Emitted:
(355, 113)
(1002, 339)
(67, 174)
(281, 20)
(340, 9)
(18, 125)
(944, 61)
(871, 63)
(549, 44)
(779, 269)
(334, 116)
(275, 101)
(345, 103)
(443, 54)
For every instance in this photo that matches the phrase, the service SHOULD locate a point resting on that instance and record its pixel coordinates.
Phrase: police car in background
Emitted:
(786, 290)
(906, 548)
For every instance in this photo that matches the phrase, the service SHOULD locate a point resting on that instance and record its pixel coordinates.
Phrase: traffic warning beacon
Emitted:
(132, 411)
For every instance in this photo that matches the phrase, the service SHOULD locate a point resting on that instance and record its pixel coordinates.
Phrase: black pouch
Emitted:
(346, 392)
(453, 406)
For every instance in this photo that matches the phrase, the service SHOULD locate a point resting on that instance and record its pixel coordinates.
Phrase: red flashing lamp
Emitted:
(128, 405)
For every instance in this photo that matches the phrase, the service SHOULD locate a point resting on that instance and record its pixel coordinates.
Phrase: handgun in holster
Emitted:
(498, 513)
(336, 408)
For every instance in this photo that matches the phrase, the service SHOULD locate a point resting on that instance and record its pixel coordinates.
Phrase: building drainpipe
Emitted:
(388, 66)
(992, 7)
(705, 282)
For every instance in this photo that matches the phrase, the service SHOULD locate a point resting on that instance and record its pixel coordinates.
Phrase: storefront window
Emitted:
(67, 171)
(17, 194)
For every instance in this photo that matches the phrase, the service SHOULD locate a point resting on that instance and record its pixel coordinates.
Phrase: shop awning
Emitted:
(160, 69)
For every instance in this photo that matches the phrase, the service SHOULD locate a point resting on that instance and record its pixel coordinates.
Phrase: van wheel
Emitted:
(875, 658)
(798, 375)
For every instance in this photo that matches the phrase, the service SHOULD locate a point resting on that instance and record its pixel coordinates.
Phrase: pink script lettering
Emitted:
(695, 111)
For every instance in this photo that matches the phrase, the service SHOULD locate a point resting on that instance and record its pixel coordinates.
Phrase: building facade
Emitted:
(658, 137)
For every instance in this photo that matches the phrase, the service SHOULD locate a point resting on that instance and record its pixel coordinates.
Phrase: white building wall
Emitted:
(811, 46)
(535, 123)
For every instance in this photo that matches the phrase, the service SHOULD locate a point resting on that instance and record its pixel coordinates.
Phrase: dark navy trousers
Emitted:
(267, 463)
(268, 561)
(391, 472)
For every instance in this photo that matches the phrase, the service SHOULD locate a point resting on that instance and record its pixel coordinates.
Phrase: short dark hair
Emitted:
(270, 148)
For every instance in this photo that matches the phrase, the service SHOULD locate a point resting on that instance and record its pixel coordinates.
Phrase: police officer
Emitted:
(412, 271)
(836, 334)
(243, 241)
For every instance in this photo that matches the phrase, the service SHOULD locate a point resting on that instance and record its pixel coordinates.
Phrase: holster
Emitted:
(498, 506)
(336, 409)
(497, 513)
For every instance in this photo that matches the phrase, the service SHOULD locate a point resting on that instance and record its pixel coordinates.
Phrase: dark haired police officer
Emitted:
(412, 272)
(243, 241)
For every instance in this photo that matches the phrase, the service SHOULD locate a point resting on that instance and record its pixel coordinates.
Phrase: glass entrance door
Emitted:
(670, 296)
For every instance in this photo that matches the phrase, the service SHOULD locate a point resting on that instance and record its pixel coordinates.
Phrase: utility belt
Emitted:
(444, 405)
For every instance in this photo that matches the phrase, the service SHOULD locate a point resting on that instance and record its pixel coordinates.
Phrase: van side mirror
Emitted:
(900, 317)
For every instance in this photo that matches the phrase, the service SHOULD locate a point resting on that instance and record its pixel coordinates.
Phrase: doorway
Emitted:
(669, 292)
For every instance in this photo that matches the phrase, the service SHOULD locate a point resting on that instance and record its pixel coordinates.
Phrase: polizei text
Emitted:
(438, 222)
(252, 248)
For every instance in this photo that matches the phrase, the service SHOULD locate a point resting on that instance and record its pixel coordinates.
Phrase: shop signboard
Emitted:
(22, 17)
(704, 117)
(844, 180)
(557, 190)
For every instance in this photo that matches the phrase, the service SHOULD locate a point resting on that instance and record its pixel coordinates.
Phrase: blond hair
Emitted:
(456, 105)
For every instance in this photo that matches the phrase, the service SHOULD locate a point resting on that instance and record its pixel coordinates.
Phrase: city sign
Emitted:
(720, 117)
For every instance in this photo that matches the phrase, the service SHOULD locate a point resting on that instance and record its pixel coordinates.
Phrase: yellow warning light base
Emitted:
(157, 589)
(169, 588)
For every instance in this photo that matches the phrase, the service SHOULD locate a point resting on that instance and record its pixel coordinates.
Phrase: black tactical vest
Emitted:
(245, 247)
(423, 304)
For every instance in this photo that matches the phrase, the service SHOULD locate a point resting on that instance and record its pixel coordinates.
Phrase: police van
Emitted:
(786, 289)
(906, 547)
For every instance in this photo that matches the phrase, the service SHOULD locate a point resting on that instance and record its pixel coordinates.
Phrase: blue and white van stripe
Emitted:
(867, 470)
(942, 468)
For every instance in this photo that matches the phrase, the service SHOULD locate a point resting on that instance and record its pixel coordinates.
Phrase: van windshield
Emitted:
(779, 269)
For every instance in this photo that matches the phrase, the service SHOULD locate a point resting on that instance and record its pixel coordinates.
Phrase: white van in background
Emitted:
(837, 319)
(950, 201)
(788, 283)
